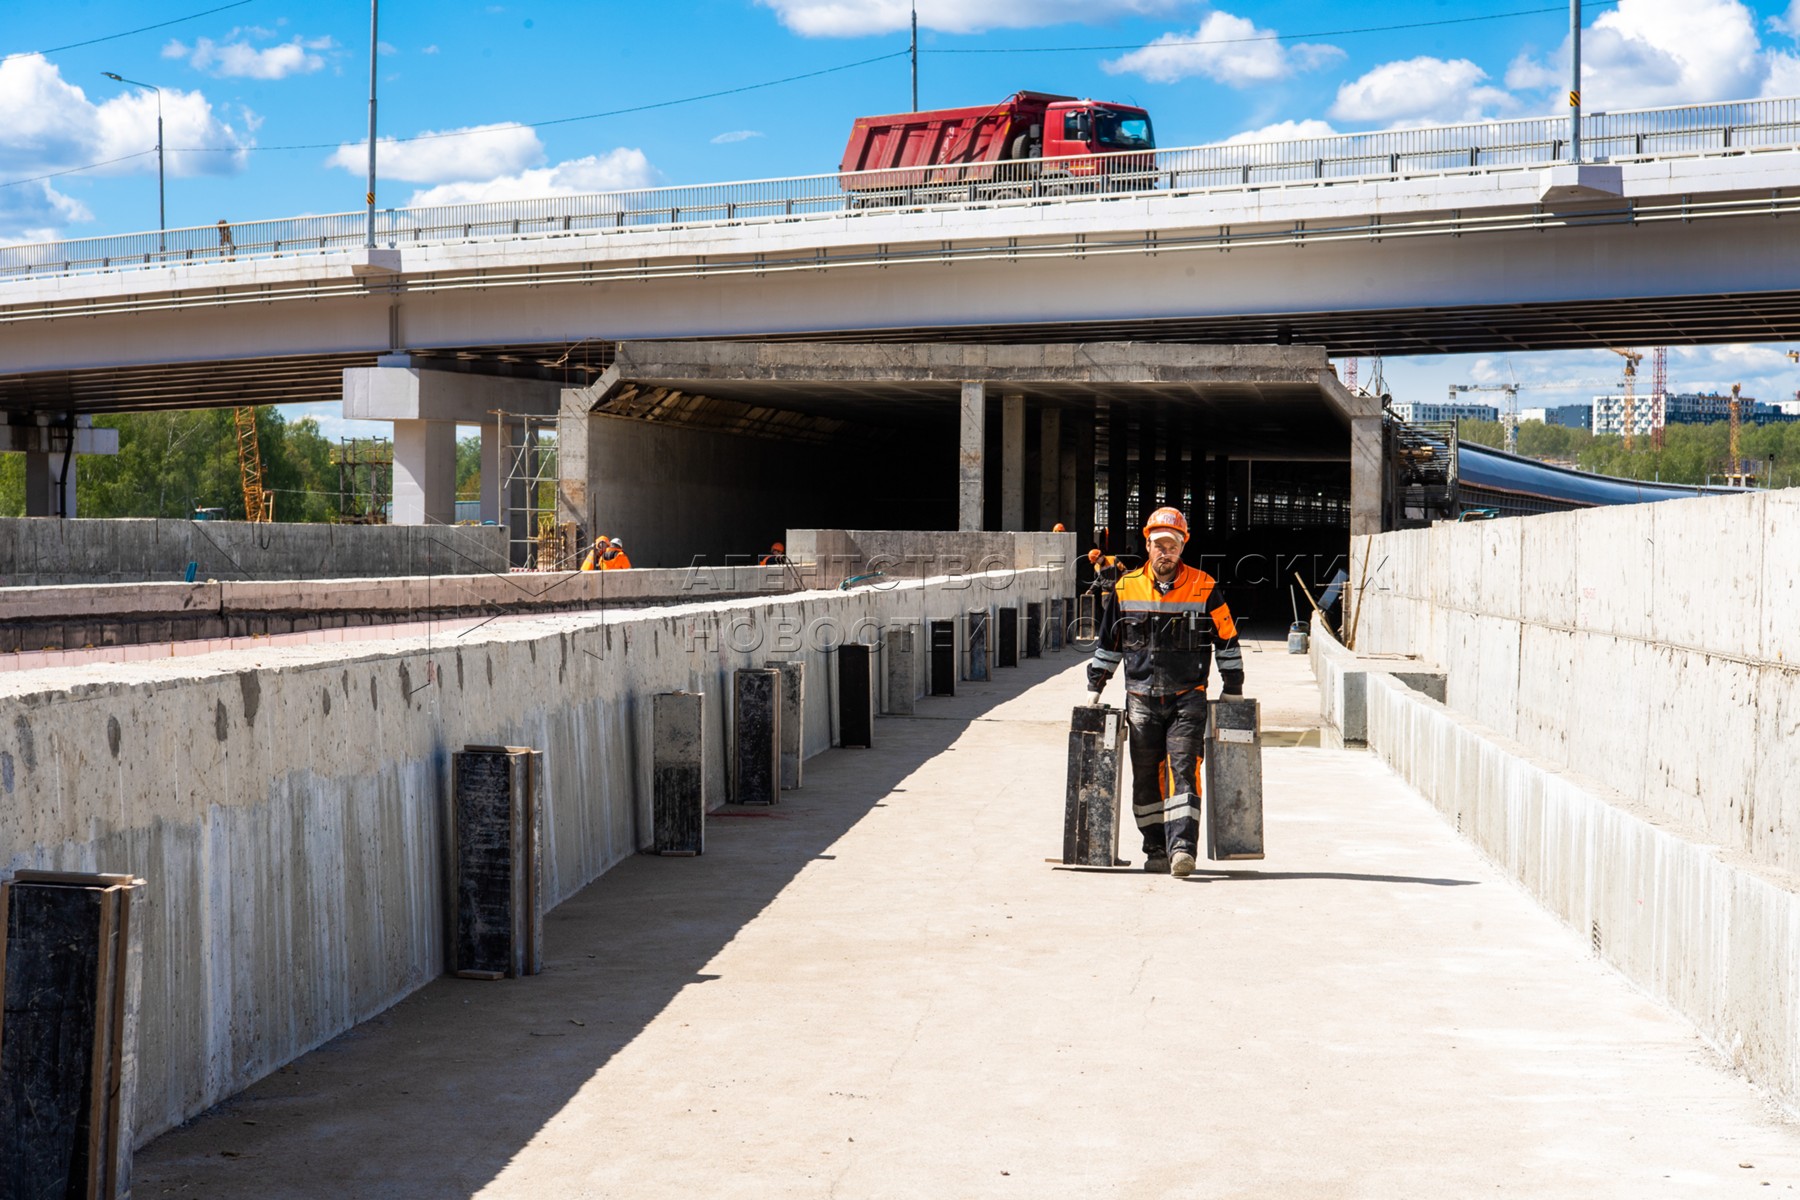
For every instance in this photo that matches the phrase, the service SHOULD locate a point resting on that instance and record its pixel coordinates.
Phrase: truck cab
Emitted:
(1074, 127)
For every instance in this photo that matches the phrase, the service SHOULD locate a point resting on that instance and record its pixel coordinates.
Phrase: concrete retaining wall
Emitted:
(287, 805)
(1700, 927)
(77, 616)
(43, 551)
(1653, 646)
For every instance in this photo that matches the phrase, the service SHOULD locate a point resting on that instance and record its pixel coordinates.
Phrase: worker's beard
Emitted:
(1165, 572)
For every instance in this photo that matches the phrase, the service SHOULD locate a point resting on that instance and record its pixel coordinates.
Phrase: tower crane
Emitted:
(1632, 359)
(1659, 394)
(258, 504)
(1736, 477)
(1509, 415)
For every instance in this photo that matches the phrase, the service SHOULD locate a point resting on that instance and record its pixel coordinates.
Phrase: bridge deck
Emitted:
(880, 988)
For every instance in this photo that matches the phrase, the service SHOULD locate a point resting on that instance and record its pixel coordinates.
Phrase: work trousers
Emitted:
(1168, 746)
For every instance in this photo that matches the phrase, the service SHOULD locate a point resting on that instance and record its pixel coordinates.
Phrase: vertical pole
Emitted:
(1575, 80)
(162, 212)
(915, 57)
(374, 13)
(1012, 462)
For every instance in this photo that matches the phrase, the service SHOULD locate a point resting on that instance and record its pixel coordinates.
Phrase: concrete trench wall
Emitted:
(1704, 930)
(1655, 647)
(287, 805)
(46, 552)
(1621, 732)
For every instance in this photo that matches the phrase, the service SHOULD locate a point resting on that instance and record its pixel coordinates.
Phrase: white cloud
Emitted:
(736, 135)
(473, 152)
(238, 59)
(1419, 91)
(617, 170)
(1784, 75)
(1283, 131)
(1788, 22)
(431, 49)
(1647, 53)
(1225, 48)
(51, 125)
(855, 18)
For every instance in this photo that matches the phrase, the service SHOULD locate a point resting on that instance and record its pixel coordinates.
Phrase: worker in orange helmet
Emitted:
(1166, 622)
(614, 559)
(1058, 528)
(776, 556)
(596, 553)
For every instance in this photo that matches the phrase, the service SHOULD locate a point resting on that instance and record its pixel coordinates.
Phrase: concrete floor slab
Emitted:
(881, 988)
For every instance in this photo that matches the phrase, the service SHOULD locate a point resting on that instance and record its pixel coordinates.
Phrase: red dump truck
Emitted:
(1029, 143)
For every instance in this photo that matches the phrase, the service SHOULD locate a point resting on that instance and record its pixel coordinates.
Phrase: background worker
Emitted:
(614, 559)
(1164, 622)
(595, 554)
(776, 556)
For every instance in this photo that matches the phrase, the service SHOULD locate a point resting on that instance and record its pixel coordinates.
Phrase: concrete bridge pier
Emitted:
(50, 445)
(426, 405)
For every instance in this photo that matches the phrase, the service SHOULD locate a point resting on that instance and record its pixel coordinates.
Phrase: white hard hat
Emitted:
(618, 542)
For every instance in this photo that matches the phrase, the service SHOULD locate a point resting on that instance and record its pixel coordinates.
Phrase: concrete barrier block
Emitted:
(1500, 559)
(1495, 700)
(902, 668)
(1701, 755)
(1615, 582)
(1779, 605)
(1772, 808)
(1609, 712)
(1708, 588)
(1547, 586)
(1545, 698)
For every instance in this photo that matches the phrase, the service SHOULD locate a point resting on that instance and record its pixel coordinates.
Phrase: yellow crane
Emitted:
(1628, 425)
(258, 504)
(1736, 477)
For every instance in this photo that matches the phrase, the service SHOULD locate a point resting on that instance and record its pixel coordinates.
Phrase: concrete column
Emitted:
(493, 471)
(1365, 476)
(1221, 482)
(970, 499)
(1050, 505)
(48, 492)
(424, 472)
(1012, 462)
(1175, 489)
(1241, 485)
(1118, 477)
(1082, 508)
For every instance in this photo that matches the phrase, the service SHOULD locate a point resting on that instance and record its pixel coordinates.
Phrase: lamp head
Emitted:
(117, 78)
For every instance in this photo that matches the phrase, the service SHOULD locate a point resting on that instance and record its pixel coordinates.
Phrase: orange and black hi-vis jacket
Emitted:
(1166, 637)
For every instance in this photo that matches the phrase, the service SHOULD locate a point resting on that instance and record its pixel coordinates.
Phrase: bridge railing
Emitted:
(1725, 127)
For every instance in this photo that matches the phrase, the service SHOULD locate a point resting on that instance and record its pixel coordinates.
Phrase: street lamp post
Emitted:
(162, 219)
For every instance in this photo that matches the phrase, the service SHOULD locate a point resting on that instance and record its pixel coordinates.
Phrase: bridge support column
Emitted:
(1365, 475)
(51, 452)
(424, 472)
(1012, 462)
(1050, 506)
(971, 460)
(493, 472)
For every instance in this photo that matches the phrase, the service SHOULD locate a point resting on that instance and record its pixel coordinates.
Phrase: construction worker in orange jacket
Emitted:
(776, 556)
(1165, 623)
(595, 554)
(614, 559)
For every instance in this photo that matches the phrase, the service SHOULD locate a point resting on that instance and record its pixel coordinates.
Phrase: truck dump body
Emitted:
(942, 137)
(890, 158)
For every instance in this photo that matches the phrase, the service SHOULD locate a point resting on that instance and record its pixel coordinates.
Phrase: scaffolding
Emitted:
(528, 483)
(365, 480)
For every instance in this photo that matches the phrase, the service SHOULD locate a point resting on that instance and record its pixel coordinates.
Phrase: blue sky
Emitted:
(242, 85)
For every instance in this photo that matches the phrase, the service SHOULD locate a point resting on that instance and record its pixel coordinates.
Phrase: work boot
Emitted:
(1157, 864)
(1181, 864)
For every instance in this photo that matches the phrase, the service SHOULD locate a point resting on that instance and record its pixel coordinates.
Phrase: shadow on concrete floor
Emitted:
(434, 1097)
